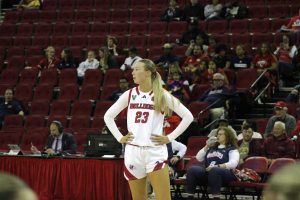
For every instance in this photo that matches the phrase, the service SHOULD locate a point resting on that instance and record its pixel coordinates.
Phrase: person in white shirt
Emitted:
(180, 149)
(146, 152)
(131, 59)
(90, 63)
(213, 10)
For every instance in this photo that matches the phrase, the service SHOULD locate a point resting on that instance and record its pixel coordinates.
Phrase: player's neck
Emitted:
(145, 88)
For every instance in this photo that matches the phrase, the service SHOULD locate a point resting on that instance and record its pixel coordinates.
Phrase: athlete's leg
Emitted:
(138, 189)
(160, 182)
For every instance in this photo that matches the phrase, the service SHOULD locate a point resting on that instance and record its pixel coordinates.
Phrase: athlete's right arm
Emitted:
(112, 112)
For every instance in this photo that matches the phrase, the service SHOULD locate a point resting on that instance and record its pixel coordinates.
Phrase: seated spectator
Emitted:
(176, 87)
(123, 87)
(178, 151)
(218, 97)
(213, 10)
(58, 142)
(67, 60)
(198, 73)
(212, 44)
(293, 96)
(173, 12)
(13, 188)
(111, 44)
(201, 41)
(222, 122)
(106, 61)
(293, 25)
(283, 185)
(209, 73)
(191, 62)
(191, 34)
(240, 60)
(255, 134)
(29, 4)
(285, 53)
(193, 11)
(167, 58)
(281, 115)
(249, 146)
(173, 68)
(221, 57)
(264, 59)
(234, 10)
(131, 59)
(219, 159)
(278, 145)
(49, 62)
(90, 63)
(9, 106)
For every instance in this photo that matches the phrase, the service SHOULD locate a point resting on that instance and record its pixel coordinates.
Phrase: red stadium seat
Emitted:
(93, 77)
(198, 90)
(80, 28)
(39, 108)
(68, 76)
(279, 163)
(25, 30)
(49, 4)
(36, 137)
(9, 77)
(48, 16)
(279, 11)
(245, 78)
(9, 137)
(85, 4)
(219, 26)
(43, 29)
(195, 144)
(112, 77)
(61, 28)
(107, 91)
(83, 15)
(98, 122)
(7, 30)
(78, 122)
(15, 51)
(238, 26)
(23, 93)
(30, 16)
(102, 107)
(61, 118)
(89, 92)
(68, 92)
(28, 76)
(43, 93)
(119, 15)
(49, 77)
(60, 108)
(138, 28)
(258, 11)
(43, 42)
(12, 121)
(34, 121)
(81, 108)
(140, 15)
(197, 109)
(259, 26)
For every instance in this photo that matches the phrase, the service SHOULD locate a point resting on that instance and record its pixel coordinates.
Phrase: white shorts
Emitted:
(142, 160)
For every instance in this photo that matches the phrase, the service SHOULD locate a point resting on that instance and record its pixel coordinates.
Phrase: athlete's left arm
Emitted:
(180, 110)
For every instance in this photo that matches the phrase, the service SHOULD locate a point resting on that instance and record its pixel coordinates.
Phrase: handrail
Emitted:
(262, 92)
(258, 79)
(208, 107)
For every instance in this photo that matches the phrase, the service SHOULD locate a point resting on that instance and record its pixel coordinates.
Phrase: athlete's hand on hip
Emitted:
(159, 139)
(127, 138)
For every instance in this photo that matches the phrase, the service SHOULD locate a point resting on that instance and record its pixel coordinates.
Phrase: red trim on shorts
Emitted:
(159, 166)
(137, 91)
(128, 174)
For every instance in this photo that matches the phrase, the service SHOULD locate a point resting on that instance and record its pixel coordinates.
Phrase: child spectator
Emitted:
(209, 73)
(173, 12)
(176, 87)
(50, 61)
(221, 57)
(90, 63)
(240, 60)
(67, 60)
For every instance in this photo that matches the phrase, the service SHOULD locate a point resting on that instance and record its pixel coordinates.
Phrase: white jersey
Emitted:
(142, 120)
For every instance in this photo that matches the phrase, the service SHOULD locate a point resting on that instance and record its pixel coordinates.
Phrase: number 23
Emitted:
(141, 117)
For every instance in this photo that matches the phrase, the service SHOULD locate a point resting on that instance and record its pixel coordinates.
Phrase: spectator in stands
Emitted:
(281, 115)
(222, 122)
(293, 96)
(173, 12)
(58, 142)
(209, 73)
(90, 63)
(49, 62)
(200, 41)
(248, 145)
(212, 43)
(219, 159)
(131, 59)
(255, 134)
(178, 151)
(213, 10)
(221, 57)
(191, 62)
(191, 34)
(111, 44)
(284, 184)
(193, 11)
(264, 59)
(106, 60)
(234, 10)
(278, 145)
(123, 87)
(219, 97)
(29, 4)
(9, 106)
(173, 68)
(177, 88)
(240, 60)
(285, 53)
(293, 25)
(168, 57)
(198, 73)
(67, 61)
(13, 188)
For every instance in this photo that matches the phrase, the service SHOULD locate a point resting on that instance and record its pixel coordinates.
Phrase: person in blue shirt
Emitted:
(219, 157)
(240, 60)
(9, 106)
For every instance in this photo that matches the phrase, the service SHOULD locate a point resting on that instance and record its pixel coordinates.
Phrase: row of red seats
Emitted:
(136, 28)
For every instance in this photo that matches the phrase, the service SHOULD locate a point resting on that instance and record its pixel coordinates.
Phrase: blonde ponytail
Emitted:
(160, 103)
